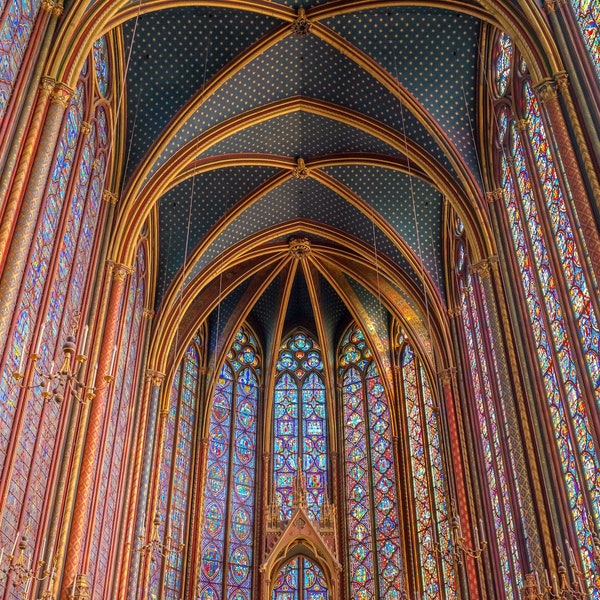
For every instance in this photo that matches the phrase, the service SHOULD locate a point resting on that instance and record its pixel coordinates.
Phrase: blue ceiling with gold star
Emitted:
(250, 95)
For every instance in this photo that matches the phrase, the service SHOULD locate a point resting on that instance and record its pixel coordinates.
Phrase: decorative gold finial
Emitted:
(301, 26)
(300, 247)
(301, 170)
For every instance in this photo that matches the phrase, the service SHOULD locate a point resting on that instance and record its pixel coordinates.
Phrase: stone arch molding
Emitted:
(300, 536)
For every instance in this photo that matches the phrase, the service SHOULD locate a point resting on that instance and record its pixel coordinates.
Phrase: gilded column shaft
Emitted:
(18, 252)
(153, 482)
(579, 195)
(484, 271)
(92, 434)
(155, 381)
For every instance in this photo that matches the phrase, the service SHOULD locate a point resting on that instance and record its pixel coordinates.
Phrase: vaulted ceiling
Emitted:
(349, 129)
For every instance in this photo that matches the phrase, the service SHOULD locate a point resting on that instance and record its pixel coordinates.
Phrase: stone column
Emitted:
(18, 252)
(85, 490)
(141, 475)
(467, 576)
(549, 98)
(154, 482)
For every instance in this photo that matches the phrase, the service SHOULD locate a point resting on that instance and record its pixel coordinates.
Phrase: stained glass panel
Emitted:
(17, 26)
(100, 53)
(300, 579)
(300, 424)
(587, 13)
(36, 438)
(504, 56)
(227, 539)
(370, 476)
(549, 339)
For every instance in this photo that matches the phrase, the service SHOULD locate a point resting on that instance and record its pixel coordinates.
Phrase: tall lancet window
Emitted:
(175, 472)
(227, 539)
(300, 424)
(52, 299)
(16, 24)
(490, 419)
(374, 548)
(428, 485)
(117, 433)
(559, 297)
(587, 15)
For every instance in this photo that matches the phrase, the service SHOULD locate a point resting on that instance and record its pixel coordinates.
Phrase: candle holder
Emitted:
(460, 548)
(67, 379)
(154, 547)
(20, 569)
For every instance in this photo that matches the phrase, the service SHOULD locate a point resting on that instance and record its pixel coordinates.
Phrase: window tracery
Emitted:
(300, 579)
(16, 24)
(556, 281)
(490, 420)
(227, 537)
(428, 476)
(300, 424)
(175, 472)
(374, 546)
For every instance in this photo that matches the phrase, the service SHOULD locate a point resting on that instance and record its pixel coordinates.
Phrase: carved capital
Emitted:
(299, 247)
(147, 313)
(85, 127)
(521, 125)
(109, 197)
(300, 170)
(551, 6)
(301, 26)
(120, 272)
(562, 81)
(61, 95)
(52, 7)
(453, 312)
(546, 90)
(155, 377)
(482, 268)
(492, 197)
(447, 375)
(47, 86)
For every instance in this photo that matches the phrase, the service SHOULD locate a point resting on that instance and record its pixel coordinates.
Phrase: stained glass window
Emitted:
(567, 372)
(428, 478)
(116, 430)
(586, 14)
(300, 579)
(504, 52)
(300, 424)
(227, 538)
(16, 24)
(34, 434)
(487, 395)
(374, 547)
(174, 476)
(100, 54)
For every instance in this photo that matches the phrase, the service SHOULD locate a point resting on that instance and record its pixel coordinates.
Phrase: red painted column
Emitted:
(589, 229)
(85, 490)
(458, 470)
(16, 257)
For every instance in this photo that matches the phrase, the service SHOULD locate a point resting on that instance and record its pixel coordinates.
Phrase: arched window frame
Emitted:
(356, 361)
(292, 579)
(494, 448)
(558, 297)
(427, 483)
(244, 356)
(64, 250)
(300, 375)
(173, 509)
